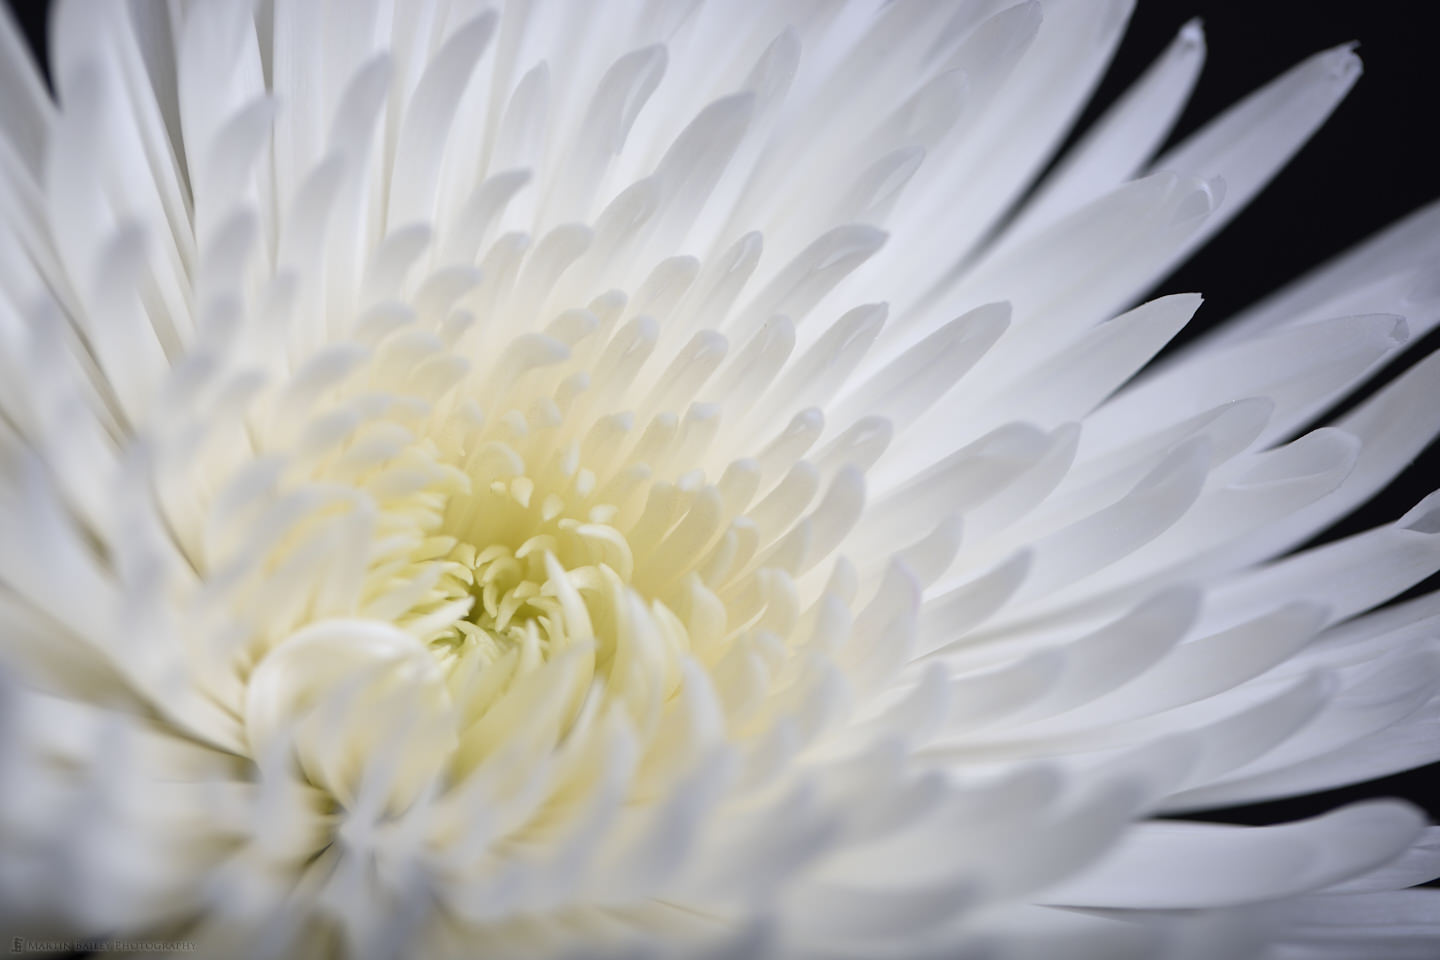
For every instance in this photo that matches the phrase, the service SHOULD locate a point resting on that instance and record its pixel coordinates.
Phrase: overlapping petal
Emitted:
(579, 479)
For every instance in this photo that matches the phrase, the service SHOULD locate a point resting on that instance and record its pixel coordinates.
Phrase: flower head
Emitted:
(575, 479)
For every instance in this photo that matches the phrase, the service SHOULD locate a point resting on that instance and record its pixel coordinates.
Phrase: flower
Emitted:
(602, 478)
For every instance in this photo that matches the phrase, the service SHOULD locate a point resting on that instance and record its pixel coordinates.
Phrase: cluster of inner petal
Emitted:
(495, 547)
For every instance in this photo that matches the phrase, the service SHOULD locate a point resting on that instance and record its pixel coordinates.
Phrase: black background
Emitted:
(1372, 163)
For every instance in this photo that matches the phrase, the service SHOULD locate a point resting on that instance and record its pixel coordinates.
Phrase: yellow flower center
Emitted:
(495, 552)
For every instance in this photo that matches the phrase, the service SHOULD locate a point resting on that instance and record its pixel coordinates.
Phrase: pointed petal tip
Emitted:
(1399, 330)
(1342, 63)
(1424, 517)
(1192, 34)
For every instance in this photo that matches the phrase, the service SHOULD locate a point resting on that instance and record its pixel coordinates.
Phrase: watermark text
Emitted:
(44, 946)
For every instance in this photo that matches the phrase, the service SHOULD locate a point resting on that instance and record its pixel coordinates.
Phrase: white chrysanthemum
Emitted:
(597, 477)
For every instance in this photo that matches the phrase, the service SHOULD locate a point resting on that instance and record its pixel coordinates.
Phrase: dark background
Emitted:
(1375, 161)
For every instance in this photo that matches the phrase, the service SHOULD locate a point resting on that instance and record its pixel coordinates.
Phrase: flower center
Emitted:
(489, 573)
(484, 578)
(540, 574)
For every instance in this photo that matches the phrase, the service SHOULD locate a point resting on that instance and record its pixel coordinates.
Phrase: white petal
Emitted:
(1120, 142)
(1234, 865)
